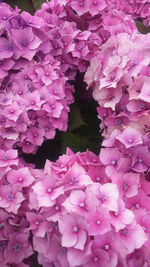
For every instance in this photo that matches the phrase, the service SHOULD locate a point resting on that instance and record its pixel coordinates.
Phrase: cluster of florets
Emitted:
(82, 210)
(119, 77)
(138, 9)
(38, 54)
(35, 94)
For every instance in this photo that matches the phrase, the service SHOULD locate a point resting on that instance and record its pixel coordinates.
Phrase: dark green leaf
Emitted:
(24, 5)
(75, 118)
(141, 28)
(77, 143)
(37, 3)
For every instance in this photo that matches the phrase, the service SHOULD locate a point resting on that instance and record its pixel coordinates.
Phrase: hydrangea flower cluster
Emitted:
(82, 210)
(35, 94)
(138, 9)
(42, 52)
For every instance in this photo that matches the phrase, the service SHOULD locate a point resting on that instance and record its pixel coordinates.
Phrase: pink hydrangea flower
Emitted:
(20, 177)
(132, 237)
(98, 221)
(130, 137)
(10, 198)
(119, 219)
(26, 41)
(47, 191)
(127, 183)
(18, 248)
(73, 230)
(8, 158)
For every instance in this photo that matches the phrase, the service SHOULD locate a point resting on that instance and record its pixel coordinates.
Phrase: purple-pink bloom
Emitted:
(98, 221)
(47, 191)
(73, 230)
(18, 248)
(130, 137)
(21, 177)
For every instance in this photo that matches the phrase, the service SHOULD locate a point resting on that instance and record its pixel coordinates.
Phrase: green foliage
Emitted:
(26, 5)
(77, 143)
(75, 118)
(83, 131)
(37, 3)
(141, 28)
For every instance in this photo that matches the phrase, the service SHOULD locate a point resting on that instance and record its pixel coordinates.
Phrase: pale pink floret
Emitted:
(98, 221)
(18, 248)
(132, 237)
(76, 256)
(8, 158)
(38, 224)
(77, 202)
(47, 192)
(111, 158)
(127, 183)
(76, 176)
(105, 195)
(97, 257)
(10, 198)
(95, 6)
(119, 219)
(73, 230)
(20, 177)
(130, 137)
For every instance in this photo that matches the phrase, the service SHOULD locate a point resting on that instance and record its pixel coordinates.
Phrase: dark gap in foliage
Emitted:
(50, 149)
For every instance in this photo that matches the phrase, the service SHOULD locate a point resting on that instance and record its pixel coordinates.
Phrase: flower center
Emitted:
(106, 247)
(95, 259)
(113, 162)
(57, 208)
(118, 122)
(74, 181)
(102, 197)
(81, 205)
(130, 141)
(98, 222)
(20, 179)
(5, 158)
(124, 232)
(81, 3)
(10, 196)
(137, 205)
(24, 42)
(75, 229)
(49, 190)
(125, 186)
(17, 247)
(9, 47)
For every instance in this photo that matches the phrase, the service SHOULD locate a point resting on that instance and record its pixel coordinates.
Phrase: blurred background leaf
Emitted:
(78, 143)
(142, 28)
(37, 3)
(24, 5)
(75, 118)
